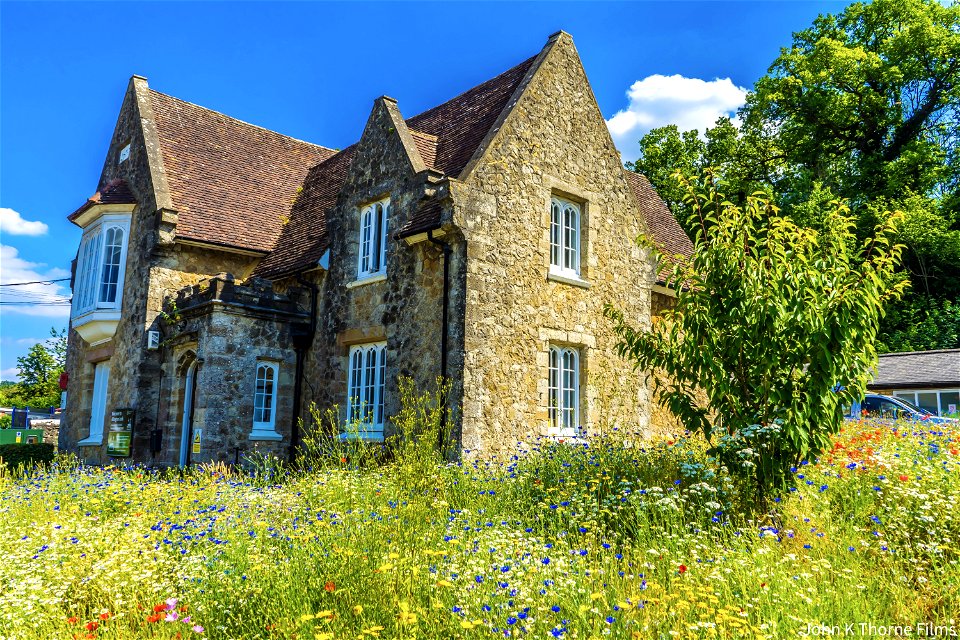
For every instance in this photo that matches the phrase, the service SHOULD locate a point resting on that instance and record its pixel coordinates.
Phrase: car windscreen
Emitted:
(911, 405)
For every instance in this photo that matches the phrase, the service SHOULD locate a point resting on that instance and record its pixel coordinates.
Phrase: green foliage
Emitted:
(28, 455)
(770, 317)
(40, 371)
(862, 106)
(5, 420)
(921, 323)
(548, 543)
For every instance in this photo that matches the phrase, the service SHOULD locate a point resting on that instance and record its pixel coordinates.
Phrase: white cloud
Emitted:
(13, 268)
(9, 374)
(657, 100)
(13, 223)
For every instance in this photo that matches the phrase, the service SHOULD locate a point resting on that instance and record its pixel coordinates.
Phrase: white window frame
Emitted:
(265, 429)
(366, 373)
(911, 396)
(89, 289)
(98, 404)
(565, 238)
(372, 247)
(563, 395)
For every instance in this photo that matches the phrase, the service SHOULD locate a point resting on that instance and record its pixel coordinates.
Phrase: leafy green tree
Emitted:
(770, 316)
(921, 323)
(39, 375)
(37, 368)
(866, 101)
(864, 106)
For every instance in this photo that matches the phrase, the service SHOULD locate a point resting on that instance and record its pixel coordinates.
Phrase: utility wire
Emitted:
(20, 284)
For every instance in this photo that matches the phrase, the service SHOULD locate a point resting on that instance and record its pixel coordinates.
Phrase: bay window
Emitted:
(98, 283)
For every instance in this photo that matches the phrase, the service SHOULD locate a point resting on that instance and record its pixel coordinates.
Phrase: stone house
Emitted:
(229, 276)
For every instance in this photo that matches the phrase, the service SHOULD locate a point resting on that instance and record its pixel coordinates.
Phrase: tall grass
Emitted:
(562, 540)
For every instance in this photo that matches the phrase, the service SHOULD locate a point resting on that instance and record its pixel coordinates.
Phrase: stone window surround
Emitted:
(369, 209)
(266, 430)
(584, 343)
(558, 188)
(557, 353)
(369, 431)
(98, 404)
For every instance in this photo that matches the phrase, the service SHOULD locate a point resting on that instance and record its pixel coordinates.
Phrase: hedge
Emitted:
(26, 454)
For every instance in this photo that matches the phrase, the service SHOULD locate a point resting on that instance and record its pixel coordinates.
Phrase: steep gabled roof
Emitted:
(114, 192)
(231, 182)
(304, 237)
(446, 137)
(668, 236)
(461, 124)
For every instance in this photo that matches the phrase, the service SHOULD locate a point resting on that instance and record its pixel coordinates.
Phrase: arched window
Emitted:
(564, 237)
(373, 239)
(564, 390)
(98, 282)
(265, 399)
(112, 250)
(368, 365)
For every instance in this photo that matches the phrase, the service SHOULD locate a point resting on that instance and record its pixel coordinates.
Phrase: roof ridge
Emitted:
(243, 122)
(913, 353)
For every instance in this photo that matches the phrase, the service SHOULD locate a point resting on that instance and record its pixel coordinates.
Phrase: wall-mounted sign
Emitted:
(121, 433)
(19, 437)
(196, 441)
(951, 408)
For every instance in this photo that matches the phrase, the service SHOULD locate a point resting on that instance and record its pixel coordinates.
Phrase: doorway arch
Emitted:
(186, 420)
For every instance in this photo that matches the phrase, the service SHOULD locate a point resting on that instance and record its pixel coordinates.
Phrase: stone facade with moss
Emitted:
(248, 290)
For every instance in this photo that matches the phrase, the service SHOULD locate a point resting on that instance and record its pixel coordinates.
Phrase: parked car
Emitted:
(875, 405)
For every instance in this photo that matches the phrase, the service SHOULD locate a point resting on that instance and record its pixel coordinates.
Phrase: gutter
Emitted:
(445, 326)
(301, 342)
(446, 300)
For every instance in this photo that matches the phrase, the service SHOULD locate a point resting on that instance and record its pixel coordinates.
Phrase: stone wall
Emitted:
(554, 142)
(222, 331)
(404, 309)
(124, 350)
(157, 267)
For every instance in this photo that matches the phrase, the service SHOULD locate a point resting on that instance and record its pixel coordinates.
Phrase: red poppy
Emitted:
(683, 568)
(343, 459)
(904, 478)
(954, 452)
(330, 586)
(92, 625)
(105, 616)
(157, 608)
(73, 620)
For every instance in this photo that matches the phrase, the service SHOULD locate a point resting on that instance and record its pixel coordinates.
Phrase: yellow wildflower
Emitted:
(358, 609)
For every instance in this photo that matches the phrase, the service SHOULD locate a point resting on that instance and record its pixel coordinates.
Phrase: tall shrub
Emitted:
(774, 325)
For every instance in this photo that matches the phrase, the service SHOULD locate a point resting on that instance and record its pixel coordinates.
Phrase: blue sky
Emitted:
(311, 70)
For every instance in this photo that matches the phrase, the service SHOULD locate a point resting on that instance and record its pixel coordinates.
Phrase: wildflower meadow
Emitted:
(565, 539)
